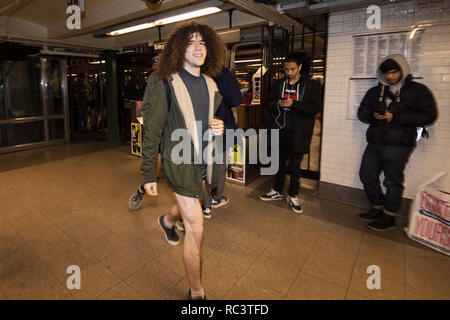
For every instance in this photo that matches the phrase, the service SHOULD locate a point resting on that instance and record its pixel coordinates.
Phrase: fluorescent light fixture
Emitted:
(249, 60)
(196, 11)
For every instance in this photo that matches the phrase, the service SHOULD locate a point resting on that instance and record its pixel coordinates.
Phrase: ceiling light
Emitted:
(178, 15)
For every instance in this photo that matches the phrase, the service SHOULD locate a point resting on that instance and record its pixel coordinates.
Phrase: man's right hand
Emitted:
(151, 189)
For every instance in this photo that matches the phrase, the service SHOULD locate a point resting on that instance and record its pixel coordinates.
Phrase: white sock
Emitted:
(195, 293)
(167, 222)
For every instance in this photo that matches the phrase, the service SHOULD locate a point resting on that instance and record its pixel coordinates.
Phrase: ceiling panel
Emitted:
(49, 12)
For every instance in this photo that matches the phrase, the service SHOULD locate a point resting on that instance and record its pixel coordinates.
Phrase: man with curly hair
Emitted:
(193, 56)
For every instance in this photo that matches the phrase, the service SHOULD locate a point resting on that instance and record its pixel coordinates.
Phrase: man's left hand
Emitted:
(388, 116)
(286, 103)
(217, 127)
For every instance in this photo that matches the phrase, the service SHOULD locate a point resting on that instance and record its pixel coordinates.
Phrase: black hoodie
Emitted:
(411, 103)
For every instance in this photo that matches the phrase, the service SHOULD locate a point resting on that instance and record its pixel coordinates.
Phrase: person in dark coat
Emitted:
(229, 89)
(393, 109)
(294, 100)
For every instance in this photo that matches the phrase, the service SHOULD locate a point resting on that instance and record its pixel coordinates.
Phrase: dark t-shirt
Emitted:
(290, 91)
(198, 91)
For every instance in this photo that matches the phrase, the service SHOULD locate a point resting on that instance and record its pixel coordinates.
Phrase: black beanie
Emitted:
(389, 65)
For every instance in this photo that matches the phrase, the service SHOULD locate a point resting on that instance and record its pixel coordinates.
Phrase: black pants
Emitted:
(286, 150)
(392, 161)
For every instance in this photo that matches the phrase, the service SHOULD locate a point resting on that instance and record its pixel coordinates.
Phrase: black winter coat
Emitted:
(416, 108)
(305, 112)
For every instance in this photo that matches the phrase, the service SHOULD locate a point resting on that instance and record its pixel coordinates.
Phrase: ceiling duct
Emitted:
(266, 12)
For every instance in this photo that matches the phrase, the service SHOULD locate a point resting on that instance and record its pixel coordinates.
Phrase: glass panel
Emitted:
(56, 129)
(55, 101)
(22, 94)
(21, 133)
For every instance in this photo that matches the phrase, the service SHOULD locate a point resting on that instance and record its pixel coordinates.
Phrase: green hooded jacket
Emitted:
(160, 121)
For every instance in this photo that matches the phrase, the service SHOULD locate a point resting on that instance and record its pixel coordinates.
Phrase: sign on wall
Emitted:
(369, 51)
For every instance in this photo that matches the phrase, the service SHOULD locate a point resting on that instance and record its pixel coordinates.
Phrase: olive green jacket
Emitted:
(161, 121)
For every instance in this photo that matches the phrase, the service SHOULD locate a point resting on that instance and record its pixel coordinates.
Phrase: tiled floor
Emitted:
(57, 211)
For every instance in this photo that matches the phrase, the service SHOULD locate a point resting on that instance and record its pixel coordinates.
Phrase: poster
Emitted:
(236, 163)
(369, 50)
(136, 139)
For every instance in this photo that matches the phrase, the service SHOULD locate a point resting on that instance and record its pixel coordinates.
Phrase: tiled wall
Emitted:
(343, 139)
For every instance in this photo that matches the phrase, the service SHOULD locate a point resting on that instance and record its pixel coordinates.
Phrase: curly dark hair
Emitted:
(173, 56)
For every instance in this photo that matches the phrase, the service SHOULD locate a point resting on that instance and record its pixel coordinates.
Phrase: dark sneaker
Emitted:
(196, 298)
(180, 225)
(372, 215)
(135, 200)
(207, 213)
(294, 204)
(217, 204)
(170, 234)
(386, 222)
(271, 195)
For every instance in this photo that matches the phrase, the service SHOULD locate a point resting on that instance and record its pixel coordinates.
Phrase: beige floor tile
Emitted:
(125, 261)
(274, 274)
(252, 240)
(428, 260)
(105, 244)
(342, 234)
(95, 281)
(69, 219)
(77, 256)
(121, 292)
(390, 268)
(293, 245)
(428, 282)
(152, 245)
(332, 266)
(3, 295)
(417, 294)
(153, 280)
(249, 289)
(234, 256)
(309, 287)
(389, 289)
(217, 279)
(86, 233)
(25, 223)
(379, 245)
(215, 234)
(172, 259)
(131, 232)
(48, 248)
(46, 288)
(22, 264)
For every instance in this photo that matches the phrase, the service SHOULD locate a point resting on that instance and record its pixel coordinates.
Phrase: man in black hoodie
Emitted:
(294, 100)
(393, 109)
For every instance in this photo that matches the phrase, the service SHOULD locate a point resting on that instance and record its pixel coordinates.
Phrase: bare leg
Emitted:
(172, 216)
(191, 212)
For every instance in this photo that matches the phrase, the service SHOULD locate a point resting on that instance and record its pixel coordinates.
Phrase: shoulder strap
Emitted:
(166, 86)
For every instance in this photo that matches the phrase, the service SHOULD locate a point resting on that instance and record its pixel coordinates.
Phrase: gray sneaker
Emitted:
(170, 234)
(294, 204)
(271, 195)
(135, 200)
(217, 204)
(180, 225)
(207, 213)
